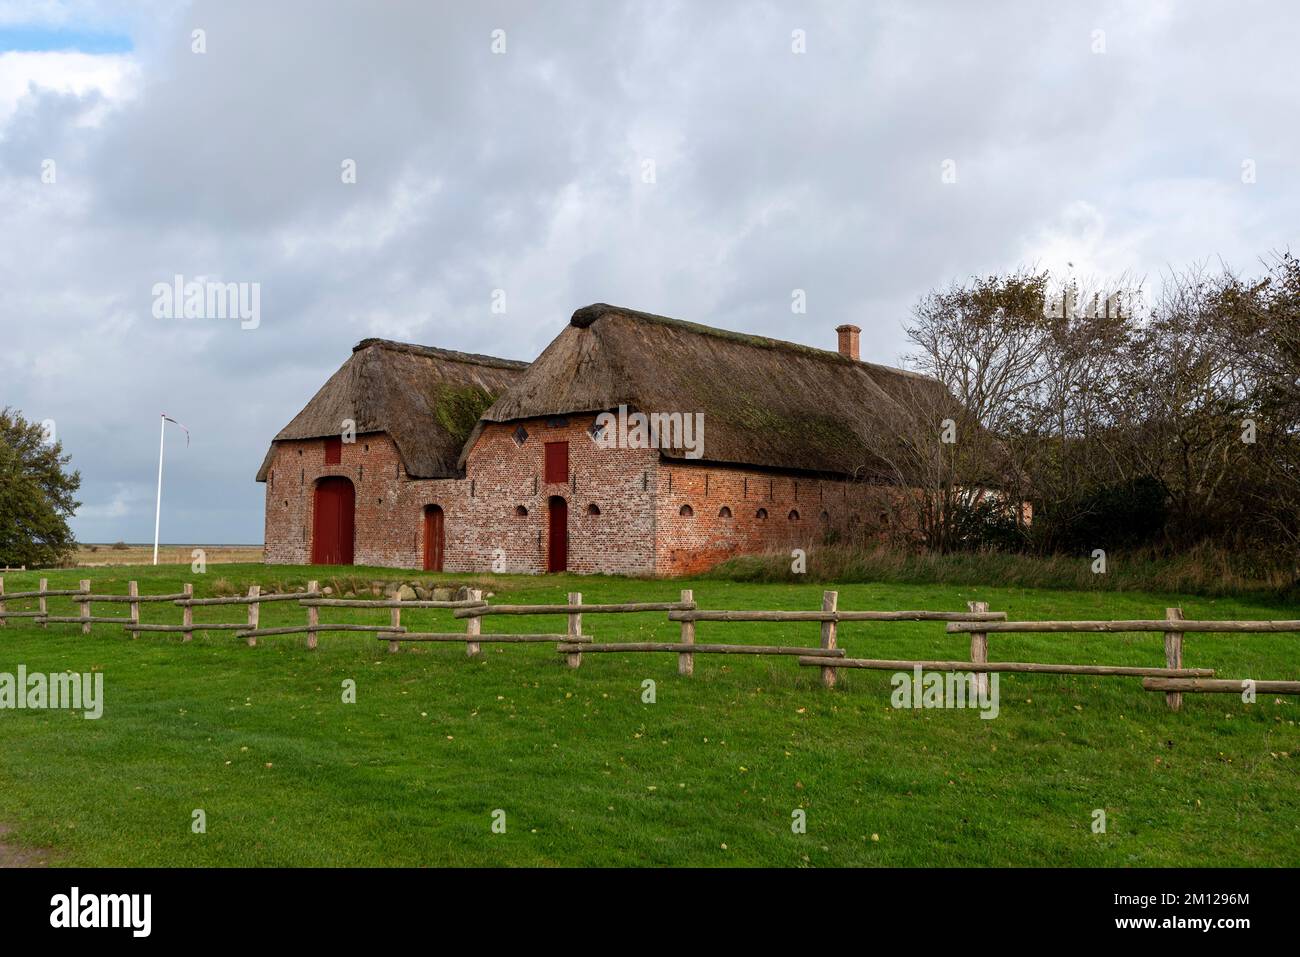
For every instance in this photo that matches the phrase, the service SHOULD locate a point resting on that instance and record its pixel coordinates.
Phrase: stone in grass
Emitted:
(442, 594)
(406, 593)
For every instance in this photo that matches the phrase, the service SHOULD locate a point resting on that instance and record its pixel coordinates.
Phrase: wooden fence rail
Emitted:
(1219, 685)
(483, 609)
(832, 615)
(1032, 667)
(1144, 624)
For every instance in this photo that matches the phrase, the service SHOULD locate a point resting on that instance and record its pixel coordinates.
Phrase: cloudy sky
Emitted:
(697, 159)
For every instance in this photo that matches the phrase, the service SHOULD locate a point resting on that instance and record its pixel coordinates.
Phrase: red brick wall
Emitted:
(693, 543)
(389, 506)
(482, 529)
(639, 528)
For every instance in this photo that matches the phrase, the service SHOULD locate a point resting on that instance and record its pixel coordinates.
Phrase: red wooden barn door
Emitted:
(434, 538)
(557, 546)
(333, 521)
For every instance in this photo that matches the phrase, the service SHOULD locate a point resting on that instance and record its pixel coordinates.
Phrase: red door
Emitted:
(332, 522)
(557, 549)
(434, 538)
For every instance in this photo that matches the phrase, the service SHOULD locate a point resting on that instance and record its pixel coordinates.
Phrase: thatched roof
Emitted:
(428, 400)
(766, 403)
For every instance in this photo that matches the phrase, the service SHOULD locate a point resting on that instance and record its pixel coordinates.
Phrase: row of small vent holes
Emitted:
(761, 515)
(687, 512)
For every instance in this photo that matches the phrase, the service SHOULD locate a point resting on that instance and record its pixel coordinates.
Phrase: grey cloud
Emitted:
(775, 171)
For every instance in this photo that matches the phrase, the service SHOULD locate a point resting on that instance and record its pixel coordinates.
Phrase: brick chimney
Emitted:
(849, 341)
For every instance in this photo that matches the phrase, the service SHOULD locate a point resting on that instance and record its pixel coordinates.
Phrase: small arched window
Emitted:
(521, 512)
(686, 511)
(761, 515)
(793, 516)
(724, 512)
(593, 509)
(825, 517)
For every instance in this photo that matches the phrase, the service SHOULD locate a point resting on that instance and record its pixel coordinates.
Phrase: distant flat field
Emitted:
(91, 556)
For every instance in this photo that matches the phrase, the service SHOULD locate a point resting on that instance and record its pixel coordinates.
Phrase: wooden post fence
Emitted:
(133, 589)
(84, 607)
(979, 649)
(1173, 680)
(187, 614)
(313, 616)
(573, 659)
(473, 627)
(254, 613)
(686, 660)
(830, 602)
(1174, 657)
(395, 622)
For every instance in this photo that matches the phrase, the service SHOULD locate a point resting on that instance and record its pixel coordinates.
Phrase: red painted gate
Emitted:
(434, 538)
(333, 521)
(557, 546)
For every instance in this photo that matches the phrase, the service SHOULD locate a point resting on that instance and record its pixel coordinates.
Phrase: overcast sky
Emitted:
(1113, 136)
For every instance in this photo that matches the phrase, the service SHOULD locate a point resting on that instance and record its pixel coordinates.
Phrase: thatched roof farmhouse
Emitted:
(421, 457)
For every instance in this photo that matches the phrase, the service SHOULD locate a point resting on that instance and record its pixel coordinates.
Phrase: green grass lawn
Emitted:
(588, 774)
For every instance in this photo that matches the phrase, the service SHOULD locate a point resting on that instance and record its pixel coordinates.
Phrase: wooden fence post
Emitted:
(1174, 657)
(3, 620)
(187, 616)
(45, 583)
(254, 613)
(313, 614)
(979, 650)
(575, 628)
(133, 589)
(395, 622)
(686, 660)
(473, 626)
(830, 601)
(85, 606)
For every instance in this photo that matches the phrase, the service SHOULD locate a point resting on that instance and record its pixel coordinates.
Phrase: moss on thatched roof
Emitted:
(427, 400)
(766, 403)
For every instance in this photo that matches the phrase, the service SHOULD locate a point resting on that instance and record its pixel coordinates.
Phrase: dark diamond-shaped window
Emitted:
(521, 435)
(596, 431)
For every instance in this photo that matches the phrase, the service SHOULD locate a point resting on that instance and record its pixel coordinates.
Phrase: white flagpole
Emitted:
(157, 515)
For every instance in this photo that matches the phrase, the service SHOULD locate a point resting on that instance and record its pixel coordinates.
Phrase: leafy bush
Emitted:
(36, 495)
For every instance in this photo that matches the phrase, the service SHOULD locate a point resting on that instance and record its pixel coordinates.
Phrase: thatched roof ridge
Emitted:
(584, 317)
(427, 400)
(767, 403)
(433, 352)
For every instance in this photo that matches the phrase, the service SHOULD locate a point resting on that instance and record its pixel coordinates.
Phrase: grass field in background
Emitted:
(588, 774)
(122, 553)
